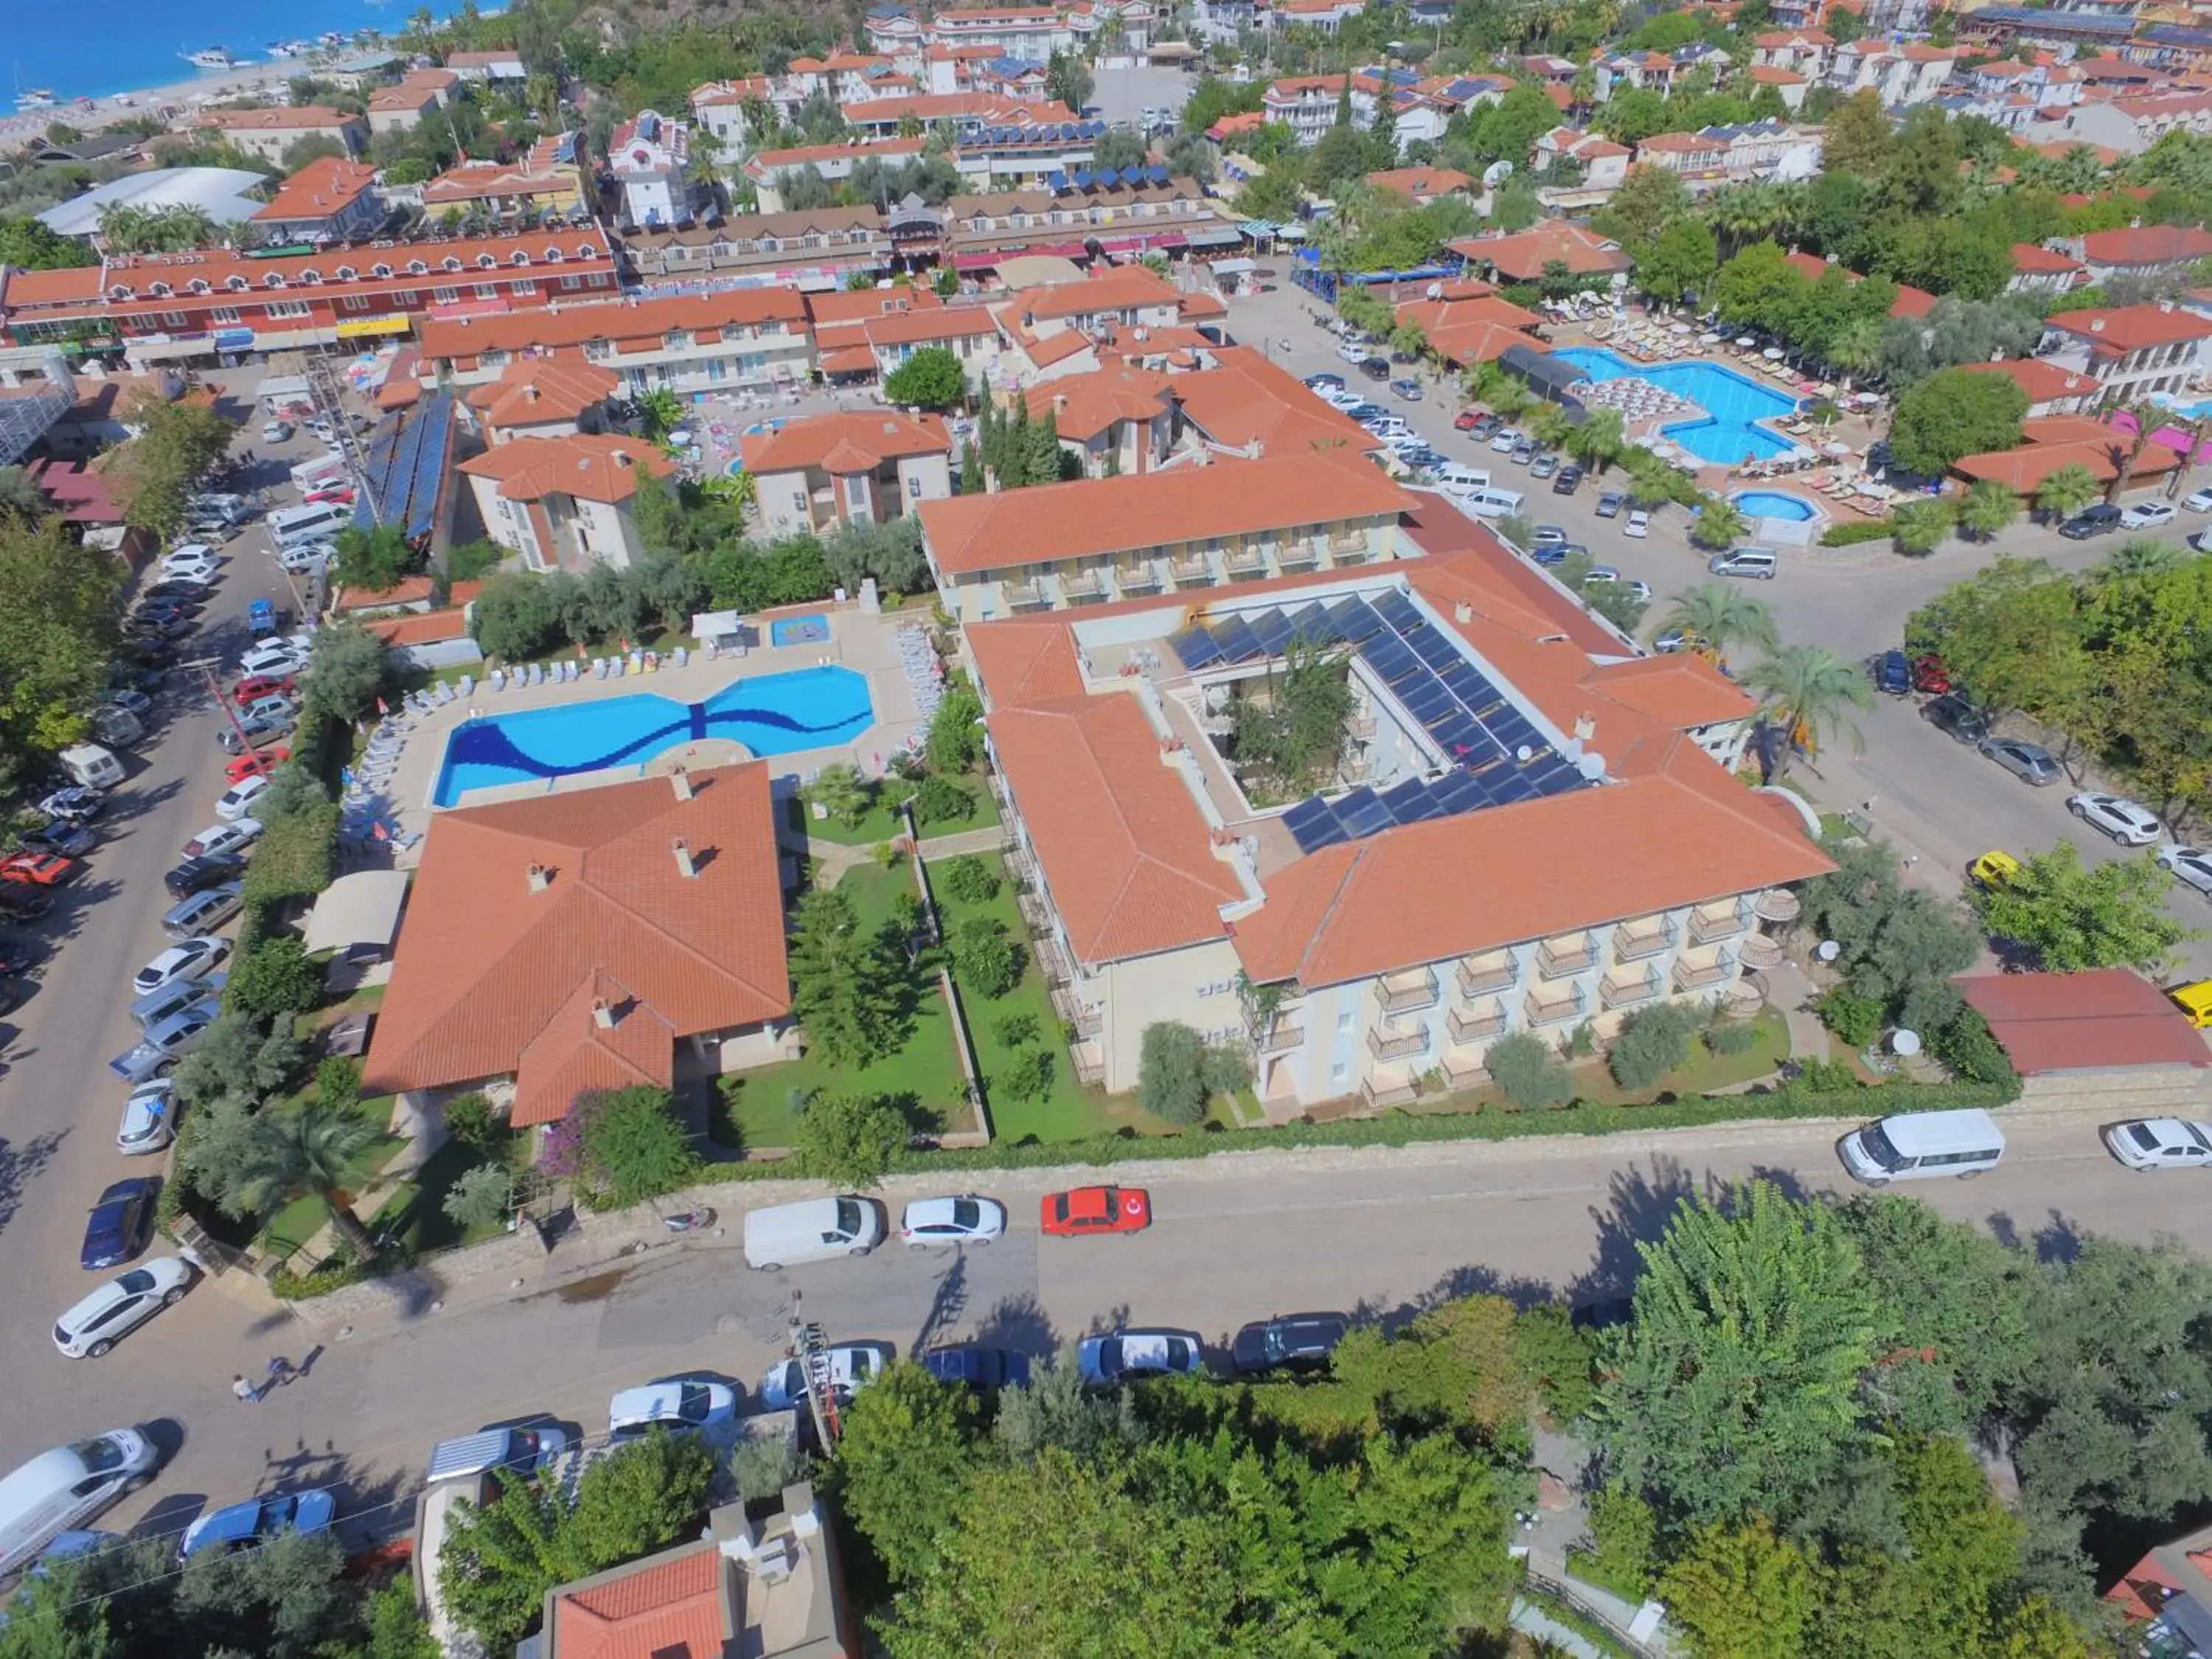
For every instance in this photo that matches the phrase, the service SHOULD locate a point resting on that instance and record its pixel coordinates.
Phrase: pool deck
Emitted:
(857, 640)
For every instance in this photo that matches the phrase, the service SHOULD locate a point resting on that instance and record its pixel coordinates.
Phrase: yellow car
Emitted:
(1993, 869)
(2195, 999)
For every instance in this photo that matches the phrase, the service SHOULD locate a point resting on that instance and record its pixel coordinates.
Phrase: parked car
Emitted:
(69, 839)
(1409, 389)
(1568, 480)
(197, 875)
(193, 560)
(2129, 822)
(1609, 503)
(1374, 369)
(1674, 640)
(964, 1220)
(220, 840)
(1485, 428)
(1083, 1210)
(149, 1119)
(242, 1526)
(2191, 865)
(201, 911)
(276, 432)
(1352, 351)
(76, 803)
(1759, 563)
(852, 1365)
(254, 761)
(1466, 420)
(1505, 441)
(1953, 713)
(675, 1402)
(528, 1451)
(276, 707)
(334, 494)
(238, 800)
(2030, 763)
(1288, 1342)
(116, 1228)
(1548, 535)
(2097, 520)
(2147, 515)
(2199, 501)
(305, 556)
(189, 595)
(189, 960)
(254, 687)
(255, 728)
(40, 869)
(2161, 1143)
(165, 1042)
(1639, 524)
(284, 656)
(1326, 382)
(1994, 869)
(1133, 1355)
(94, 1325)
(1892, 672)
(1543, 465)
(1524, 452)
(977, 1366)
(1929, 675)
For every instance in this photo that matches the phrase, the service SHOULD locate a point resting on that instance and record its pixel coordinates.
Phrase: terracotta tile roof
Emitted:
(1523, 254)
(2148, 245)
(1123, 288)
(1247, 397)
(535, 391)
(616, 320)
(956, 106)
(1125, 851)
(420, 627)
(1195, 305)
(2044, 382)
(1912, 302)
(319, 189)
(591, 466)
(300, 117)
(2032, 258)
(855, 306)
(1047, 522)
(2111, 1016)
(729, 92)
(1084, 406)
(1773, 74)
(538, 172)
(1682, 691)
(1420, 182)
(845, 442)
(1025, 661)
(603, 1037)
(485, 966)
(2118, 330)
(665, 1609)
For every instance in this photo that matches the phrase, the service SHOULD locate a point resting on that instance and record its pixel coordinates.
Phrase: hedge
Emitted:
(1859, 530)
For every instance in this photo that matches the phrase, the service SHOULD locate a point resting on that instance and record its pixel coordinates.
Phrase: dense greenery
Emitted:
(851, 988)
(1953, 413)
(58, 632)
(175, 447)
(1178, 1073)
(930, 378)
(1289, 726)
(2072, 917)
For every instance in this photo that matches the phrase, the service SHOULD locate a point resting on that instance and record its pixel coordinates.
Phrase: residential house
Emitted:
(1031, 32)
(328, 200)
(2131, 351)
(564, 503)
(770, 170)
(1465, 332)
(1111, 27)
(1116, 420)
(1902, 76)
(1422, 186)
(1248, 403)
(2166, 1597)
(1307, 105)
(1807, 52)
(1524, 256)
(2142, 250)
(401, 107)
(2050, 442)
(730, 339)
(647, 158)
(548, 179)
(1788, 85)
(719, 110)
(1599, 167)
(863, 467)
(2050, 390)
(592, 938)
(1698, 160)
(882, 118)
(268, 133)
(1014, 154)
(1391, 911)
(500, 67)
(874, 345)
(544, 397)
(1650, 71)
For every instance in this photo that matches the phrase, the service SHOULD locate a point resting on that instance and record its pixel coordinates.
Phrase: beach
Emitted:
(91, 115)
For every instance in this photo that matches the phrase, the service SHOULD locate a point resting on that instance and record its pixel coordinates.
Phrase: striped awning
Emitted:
(1258, 229)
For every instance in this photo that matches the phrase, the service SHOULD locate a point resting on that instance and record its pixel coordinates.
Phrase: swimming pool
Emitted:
(1734, 404)
(799, 630)
(771, 714)
(1772, 504)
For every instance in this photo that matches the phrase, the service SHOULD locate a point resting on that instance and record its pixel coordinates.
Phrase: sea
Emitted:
(130, 46)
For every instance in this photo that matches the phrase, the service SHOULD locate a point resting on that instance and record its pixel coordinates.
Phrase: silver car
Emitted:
(124, 1303)
(2129, 822)
(2191, 865)
(163, 1043)
(2161, 1143)
(2028, 761)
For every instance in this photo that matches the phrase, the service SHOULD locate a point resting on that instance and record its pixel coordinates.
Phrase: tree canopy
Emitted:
(1953, 413)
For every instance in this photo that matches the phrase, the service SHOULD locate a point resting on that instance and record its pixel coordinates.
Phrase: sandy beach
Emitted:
(91, 115)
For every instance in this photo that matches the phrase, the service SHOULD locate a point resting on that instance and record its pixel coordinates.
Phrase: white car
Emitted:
(90, 1328)
(1124, 1356)
(149, 1119)
(1507, 442)
(238, 800)
(194, 561)
(2199, 502)
(2147, 515)
(2191, 865)
(306, 557)
(852, 1365)
(192, 959)
(676, 1402)
(273, 657)
(2126, 822)
(2161, 1143)
(1352, 352)
(964, 1220)
(218, 840)
(1340, 397)
(1639, 524)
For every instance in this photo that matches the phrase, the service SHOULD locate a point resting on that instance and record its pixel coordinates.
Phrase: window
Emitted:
(486, 291)
(379, 270)
(347, 273)
(856, 494)
(173, 320)
(914, 489)
(287, 308)
(1344, 1023)
(356, 302)
(445, 296)
(525, 287)
(571, 282)
(224, 314)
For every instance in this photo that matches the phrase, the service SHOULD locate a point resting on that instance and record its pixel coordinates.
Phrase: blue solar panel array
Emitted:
(406, 458)
(1501, 757)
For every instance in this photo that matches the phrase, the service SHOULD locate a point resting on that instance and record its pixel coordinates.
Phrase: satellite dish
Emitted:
(1496, 174)
(1903, 1041)
(1828, 951)
(1592, 767)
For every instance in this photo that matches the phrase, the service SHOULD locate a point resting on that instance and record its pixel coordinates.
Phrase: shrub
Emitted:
(1653, 1042)
(633, 1147)
(849, 1138)
(338, 1084)
(1854, 1019)
(1971, 1053)
(955, 737)
(968, 879)
(1170, 1072)
(985, 958)
(940, 800)
(473, 1121)
(1732, 1036)
(275, 979)
(1027, 1075)
(1581, 1042)
(1015, 1030)
(1624, 1533)
(1532, 1076)
(1862, 529)
(482, 1197)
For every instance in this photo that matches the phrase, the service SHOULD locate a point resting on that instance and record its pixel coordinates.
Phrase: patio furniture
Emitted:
(598, 668)
(499, 679)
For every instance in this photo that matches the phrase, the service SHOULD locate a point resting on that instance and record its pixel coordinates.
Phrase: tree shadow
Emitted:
(1019, 1322)
(947, 1304)
(1456, 1285)
(1639, 1207)
(21, 1164)
(1789, 1183)
(1113, 1319)
(2058, 1241)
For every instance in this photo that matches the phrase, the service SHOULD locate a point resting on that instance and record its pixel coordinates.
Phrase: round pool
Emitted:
(1772, 504)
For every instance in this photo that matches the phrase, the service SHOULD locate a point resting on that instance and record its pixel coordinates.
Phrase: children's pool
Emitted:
(1772, 504)
(771, 714)
(1735, 403)
(799, 630)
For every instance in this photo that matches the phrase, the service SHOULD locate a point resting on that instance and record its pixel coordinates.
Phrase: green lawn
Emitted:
(881, 823)
(416, 1209)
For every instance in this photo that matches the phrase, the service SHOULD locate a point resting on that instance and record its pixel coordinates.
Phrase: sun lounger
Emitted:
(598, 668)
(536, 673)
(499, 679)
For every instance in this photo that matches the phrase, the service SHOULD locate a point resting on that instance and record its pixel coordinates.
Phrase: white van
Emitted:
(1458, 475)
(1913, 1145)
(89, 764)
(328, 467)
(785, 1235)
(317, 521)
(66, 1487)
(1487, 503)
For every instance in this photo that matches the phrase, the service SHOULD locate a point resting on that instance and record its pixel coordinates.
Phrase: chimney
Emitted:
(623, 460)
(529, 392)
(680, 780)
(1463, 612)
(603, 1013)
(1585, 727)
(684, 860)
(540, 878)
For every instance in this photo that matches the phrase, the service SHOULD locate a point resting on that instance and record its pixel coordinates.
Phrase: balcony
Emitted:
(1381, 1093)
(1244, 563)
(1019, 864)
(1618, 990)
(1058, 970)
(1137, 578)
(1027, 596)
(1402, 994)
(1386, 1044)
(1634, 941)
(1709, 922)
(1083, 588)
(1361, 726)
(1479, 1027)
(1759, 952)
(1281, 1039)
(1299, 555)
(1562, 958)
(1776, 904)
(1350, 549)
(1491, 971)
(1693, 975)
(1089, 1064)
(1034, 911)
(1192, 572)
(1463, 1073)
(1555, 1009)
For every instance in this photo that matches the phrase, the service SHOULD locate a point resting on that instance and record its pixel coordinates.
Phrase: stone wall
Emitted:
(2118, 1092)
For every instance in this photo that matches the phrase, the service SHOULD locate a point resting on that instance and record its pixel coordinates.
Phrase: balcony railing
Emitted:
(1019, 863)
(1626, 990)
(1559, 958)
(1759, 952)
(1463, 1073)
(1138, 578)
(1402, 994)
(1711, 921)
(1552, 1009)
(1089, 1064)
(1027, 596)
(1776, 904)
(1635, 944)
(1299, 555)
(1249, 562)
(1084, 584)
(1691, 976)
(1479, 1027)
(1385, 1044)
(1281, 1039)
(1058, 970)
(1034, 910)
(1192, 573)
(1380, 1094)
(1479, 976)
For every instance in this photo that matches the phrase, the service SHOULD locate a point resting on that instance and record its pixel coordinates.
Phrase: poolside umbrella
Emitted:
(1773, 354)
(1745, 340)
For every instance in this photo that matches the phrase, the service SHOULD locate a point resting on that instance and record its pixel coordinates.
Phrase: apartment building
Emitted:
(500, 67)
(648, 158)
(2036, 269)
(402, 107)
(547, 177)
(1807, 52)
(1030, 33)
(882, 118)
(870, 347)
(2131, 351)
(724, 110)
(2143, 250)
(328, 200)
(543, 398)
(811, 245)
(564, 503)
(731, 339)
(1900, 76)
(268, 133)
(1014, 156)
(1457, 881)
(829, 471)
(1603, 164)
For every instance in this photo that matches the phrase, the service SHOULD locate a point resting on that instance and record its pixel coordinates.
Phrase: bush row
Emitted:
(1859, 530)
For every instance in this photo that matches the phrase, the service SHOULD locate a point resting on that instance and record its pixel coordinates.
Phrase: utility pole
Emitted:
(205, 667)
(810, 1345)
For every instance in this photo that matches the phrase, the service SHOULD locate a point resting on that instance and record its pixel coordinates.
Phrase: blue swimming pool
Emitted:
(1772, 504)
(771, 714)
(1734, 404)
(799, 630)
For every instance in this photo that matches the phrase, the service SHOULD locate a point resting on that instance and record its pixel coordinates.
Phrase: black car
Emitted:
(1893, 672)
(184, 596)
(1953, 713)
(2097, 520)
(978, 1367)
(1374, 369)
(1288, 1341)
(115, 1230)
(198, 875)
(157, 623)
(1570, 480)
(20, 903)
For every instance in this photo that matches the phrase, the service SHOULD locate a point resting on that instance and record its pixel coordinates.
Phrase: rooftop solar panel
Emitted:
(1460, 793)
(1273, 630)
(1312, 624)
(1237, 641)
(1397, 610)
(1313, 824)
(1356, 621)
(1467, 682)
(1427, 702)
(1362, 813)
(1195, 649)
(1468, 744)
(1432, 647)
(1508, 787)
(1411, 802)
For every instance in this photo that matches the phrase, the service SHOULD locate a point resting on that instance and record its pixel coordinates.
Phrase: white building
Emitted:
(648, 158)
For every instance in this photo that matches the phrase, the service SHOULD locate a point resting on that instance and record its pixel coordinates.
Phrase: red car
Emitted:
(1929, 675)
(1096, 1210)
(1466, 419)
(256, 686)
(38, 869)
(261, 760)
(341, 495)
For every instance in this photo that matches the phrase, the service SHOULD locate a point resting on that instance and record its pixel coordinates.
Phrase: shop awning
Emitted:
(1224, 236)
(978, 261)
(368, 326)
(360, 909)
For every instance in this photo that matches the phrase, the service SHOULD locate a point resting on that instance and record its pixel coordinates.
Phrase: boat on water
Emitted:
(286, 48)
(209, 57)
(36, 98)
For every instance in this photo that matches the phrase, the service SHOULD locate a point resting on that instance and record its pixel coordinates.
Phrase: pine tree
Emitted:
(1015, 468)
(990, 443)
(848, 986)
(1043, 444)
(1343, 101)
(971, 470)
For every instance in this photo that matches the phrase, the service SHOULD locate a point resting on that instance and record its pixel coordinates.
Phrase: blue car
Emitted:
(261, 618)
(257, 1521)
(978, 1367)
(115, 1230)
(1893, 672)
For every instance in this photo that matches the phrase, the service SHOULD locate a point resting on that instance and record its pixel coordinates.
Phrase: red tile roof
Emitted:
(2034, 258)
(1419, 182)
(665, 1609)
(845, 442)
(2148, 245)
(855, 305)
(1122, 287)
(646, 320)
(485, 967)
(1523, 254)
(2122, 329)
(537, 390)
(589, 467)
(1247, 397)
(319, 189)
(2112, 1016)
(1082, 406)
(300, 117)
(2044, 382)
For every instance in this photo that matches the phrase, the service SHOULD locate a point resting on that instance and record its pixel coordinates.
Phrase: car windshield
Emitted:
(2196, 1138)
(849, 1218)
(100, 1456)
(691, 1403)
(1877, 1148)
(137, 1281)
(2140, 1133)
(966, 1214)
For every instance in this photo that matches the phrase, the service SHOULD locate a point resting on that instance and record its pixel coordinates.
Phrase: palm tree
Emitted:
(1718, 524)
(2067, 491)
(2143, 556)
(2147, 417)
(2197, 451)
(1549, 425)
(1598, 442)
(1855, 349)
(1988, 508)
(1714, 616)
(1410, 338)
(319, 1147)
(1809, 692)
(1921, 525)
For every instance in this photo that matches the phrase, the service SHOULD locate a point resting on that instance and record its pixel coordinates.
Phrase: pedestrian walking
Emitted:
(246, 1393)
(280, 1372)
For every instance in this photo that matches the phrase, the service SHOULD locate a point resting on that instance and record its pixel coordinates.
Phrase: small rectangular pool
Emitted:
(1734, 403)
(799, 630)
(769, 713)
